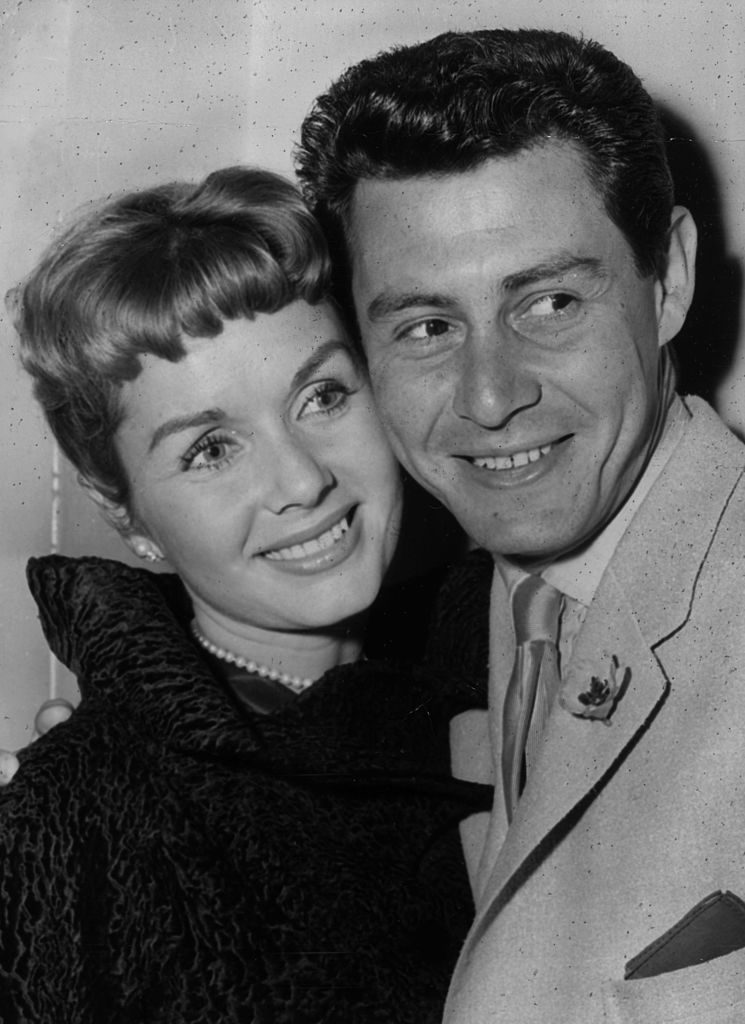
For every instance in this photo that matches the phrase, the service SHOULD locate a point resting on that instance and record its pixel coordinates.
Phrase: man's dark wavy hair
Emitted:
(449, 104)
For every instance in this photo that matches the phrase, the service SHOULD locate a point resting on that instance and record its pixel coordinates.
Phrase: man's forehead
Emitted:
(496, 193)
(570, 158)
(482, 224)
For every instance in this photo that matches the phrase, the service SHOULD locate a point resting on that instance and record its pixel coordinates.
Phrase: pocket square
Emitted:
(713, 928)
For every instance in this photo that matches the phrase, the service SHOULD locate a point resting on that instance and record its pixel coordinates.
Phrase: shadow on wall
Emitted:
(705, 347)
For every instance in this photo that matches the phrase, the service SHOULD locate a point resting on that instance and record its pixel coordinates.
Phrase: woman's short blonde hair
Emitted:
(140, 273)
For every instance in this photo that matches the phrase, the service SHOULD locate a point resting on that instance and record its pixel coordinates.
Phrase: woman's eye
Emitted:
(326, 398)
(209, 452)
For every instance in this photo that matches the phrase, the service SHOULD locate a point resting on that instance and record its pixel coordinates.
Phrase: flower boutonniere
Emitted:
(599, 698)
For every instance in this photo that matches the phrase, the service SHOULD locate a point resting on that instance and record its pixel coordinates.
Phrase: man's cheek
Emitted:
(401, 417)
(389, 391)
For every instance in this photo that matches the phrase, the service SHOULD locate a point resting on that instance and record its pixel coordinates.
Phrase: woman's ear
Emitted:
(119, 517)
(675, 289)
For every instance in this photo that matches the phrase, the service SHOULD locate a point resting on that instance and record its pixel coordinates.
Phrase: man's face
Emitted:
(513, 346)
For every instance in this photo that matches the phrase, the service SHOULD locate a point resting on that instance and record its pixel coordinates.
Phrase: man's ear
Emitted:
(118, 516)
(675, 289)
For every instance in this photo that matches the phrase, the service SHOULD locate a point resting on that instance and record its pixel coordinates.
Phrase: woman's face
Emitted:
(259, 470)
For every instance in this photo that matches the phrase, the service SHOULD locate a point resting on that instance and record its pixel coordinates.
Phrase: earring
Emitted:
(146, 552)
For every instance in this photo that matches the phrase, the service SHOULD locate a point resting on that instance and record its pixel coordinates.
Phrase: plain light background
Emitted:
(104, 95)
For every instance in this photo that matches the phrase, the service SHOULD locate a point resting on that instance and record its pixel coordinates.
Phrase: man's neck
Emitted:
(579, 572)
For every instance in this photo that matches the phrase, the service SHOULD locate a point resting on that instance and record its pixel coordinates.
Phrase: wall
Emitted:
(110, 94)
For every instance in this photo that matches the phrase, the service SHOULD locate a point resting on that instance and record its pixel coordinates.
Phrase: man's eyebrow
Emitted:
(205, 418)
(560, 266)
(315, 361)
(387, 303)
(390, 302)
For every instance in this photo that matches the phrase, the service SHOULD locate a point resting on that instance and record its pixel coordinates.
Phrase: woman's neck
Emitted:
(304, 654)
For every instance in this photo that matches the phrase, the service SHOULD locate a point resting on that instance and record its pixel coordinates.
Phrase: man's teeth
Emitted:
(312, 547)
(512, 461)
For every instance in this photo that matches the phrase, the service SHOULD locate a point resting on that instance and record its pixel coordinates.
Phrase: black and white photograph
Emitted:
(373, 503)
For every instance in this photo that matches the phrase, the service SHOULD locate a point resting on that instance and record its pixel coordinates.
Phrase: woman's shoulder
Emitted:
(73, 757)
(123, 632)
(97, 611)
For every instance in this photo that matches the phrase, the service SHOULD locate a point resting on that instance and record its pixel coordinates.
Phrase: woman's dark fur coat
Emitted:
(169, 856)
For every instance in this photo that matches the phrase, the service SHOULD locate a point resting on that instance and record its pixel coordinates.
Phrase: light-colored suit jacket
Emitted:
(624, 827)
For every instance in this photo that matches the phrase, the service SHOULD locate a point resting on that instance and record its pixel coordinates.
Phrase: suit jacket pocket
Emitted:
(713, 928)
(709, 993)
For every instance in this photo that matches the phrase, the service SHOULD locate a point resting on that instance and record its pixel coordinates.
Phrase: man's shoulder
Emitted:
(685, 546)
(697, 484)
(708, 435)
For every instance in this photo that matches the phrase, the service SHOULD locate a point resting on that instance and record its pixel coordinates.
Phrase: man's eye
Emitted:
(550, 305)
(425, 329)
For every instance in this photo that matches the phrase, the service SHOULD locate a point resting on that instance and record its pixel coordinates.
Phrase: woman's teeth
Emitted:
(512, 461)
(312, 547)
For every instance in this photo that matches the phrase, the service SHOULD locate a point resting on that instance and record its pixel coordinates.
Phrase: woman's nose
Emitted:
(299, 477)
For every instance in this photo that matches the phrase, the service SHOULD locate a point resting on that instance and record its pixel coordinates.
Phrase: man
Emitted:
(502, 204)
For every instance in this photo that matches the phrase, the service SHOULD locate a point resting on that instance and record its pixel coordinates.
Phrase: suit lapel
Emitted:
(578, 752)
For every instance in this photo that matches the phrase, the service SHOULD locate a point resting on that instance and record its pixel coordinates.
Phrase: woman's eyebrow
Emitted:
(316, 360)
(207, 417)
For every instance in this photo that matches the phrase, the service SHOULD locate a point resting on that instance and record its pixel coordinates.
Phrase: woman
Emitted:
(244, 820)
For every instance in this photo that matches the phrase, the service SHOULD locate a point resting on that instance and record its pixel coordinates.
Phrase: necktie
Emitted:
(534, 681)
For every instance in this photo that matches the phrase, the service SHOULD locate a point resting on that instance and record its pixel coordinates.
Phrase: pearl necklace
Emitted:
(295, 683)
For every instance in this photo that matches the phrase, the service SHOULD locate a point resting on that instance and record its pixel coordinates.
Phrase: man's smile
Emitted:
(514, 461)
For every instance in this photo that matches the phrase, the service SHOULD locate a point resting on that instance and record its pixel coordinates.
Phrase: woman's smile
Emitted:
(323, 542)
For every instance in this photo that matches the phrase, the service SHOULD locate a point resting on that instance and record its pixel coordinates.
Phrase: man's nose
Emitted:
(495, 380)
(297, 476)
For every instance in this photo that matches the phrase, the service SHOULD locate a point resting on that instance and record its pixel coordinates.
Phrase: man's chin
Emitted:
(529, 548)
